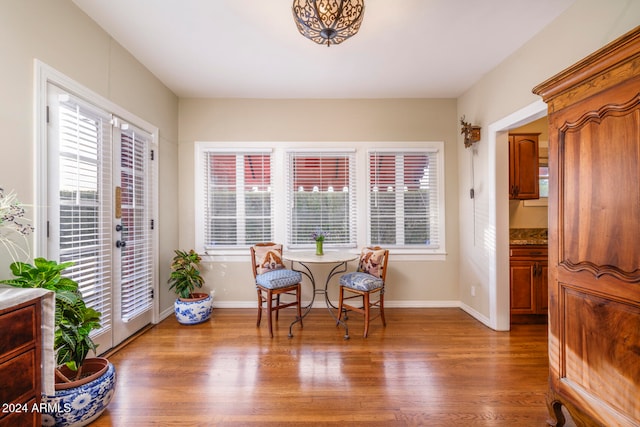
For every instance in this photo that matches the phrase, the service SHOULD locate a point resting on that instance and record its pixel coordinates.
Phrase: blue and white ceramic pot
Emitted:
(194, 310)
(80, 405)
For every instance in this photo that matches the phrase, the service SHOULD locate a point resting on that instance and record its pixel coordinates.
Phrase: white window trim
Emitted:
(279, 150)
(200, 149)
(430, 148)
(352, 220)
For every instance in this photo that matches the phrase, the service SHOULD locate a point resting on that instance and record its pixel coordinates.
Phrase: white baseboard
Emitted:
(389, 304)
(322, 304)
(166, 313)
(475, 314)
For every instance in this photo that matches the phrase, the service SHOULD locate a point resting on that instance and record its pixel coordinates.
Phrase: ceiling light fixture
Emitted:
(328, 21)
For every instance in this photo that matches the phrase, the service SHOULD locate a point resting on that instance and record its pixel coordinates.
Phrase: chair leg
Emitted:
(270, 305)
(259, 307)
(384, 321)
(367, 309)
(277, 304)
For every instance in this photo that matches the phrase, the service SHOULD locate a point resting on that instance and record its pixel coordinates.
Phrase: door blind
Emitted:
(85, 202)
(136, 171)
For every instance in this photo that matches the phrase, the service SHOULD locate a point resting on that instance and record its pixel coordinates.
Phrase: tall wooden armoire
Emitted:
(594, 237)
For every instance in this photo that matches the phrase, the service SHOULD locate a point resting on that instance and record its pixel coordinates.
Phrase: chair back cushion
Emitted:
(268, 258)
(372, 262)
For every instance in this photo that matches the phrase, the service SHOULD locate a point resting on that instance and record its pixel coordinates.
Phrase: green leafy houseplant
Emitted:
(74, 321)
(185, 273)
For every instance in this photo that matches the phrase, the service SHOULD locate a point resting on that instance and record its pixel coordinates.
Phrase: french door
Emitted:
(100, 203)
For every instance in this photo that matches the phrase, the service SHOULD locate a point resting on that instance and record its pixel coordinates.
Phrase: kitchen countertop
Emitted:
(528, 236)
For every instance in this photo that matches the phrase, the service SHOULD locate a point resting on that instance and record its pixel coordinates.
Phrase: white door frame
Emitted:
(499, 299)
(43, 75)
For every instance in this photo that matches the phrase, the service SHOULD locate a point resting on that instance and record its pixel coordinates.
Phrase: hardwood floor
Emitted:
(428, 367)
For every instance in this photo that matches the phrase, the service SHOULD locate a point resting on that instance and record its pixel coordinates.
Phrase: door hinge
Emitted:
(152, 155)
(153, 224)
(47, 229)
(152, 293)
(47, 114)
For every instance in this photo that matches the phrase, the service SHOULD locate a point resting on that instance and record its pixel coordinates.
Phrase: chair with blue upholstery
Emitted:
(367, 280)
(273, 280)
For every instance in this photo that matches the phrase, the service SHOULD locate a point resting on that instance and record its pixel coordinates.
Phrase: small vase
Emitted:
(319, 250)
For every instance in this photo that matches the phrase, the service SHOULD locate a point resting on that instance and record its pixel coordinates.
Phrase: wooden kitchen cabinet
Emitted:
(523, 166)
(20, 371)
(528, 270)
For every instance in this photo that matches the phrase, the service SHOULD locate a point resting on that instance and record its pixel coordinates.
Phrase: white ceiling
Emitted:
(252, 49)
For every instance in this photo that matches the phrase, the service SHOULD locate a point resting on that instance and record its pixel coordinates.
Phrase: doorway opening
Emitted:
(499, 294)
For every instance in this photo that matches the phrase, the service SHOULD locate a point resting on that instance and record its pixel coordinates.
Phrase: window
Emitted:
(236, 197)
(405, 198)
(544, 180)
(321, 196)
(361, 193)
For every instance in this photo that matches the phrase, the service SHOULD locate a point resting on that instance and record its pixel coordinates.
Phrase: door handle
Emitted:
(120, 243)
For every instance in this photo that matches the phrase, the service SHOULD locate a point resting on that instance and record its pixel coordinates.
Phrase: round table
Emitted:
(307, 258)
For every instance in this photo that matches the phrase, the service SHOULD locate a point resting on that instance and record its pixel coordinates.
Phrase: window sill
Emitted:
(242, 255)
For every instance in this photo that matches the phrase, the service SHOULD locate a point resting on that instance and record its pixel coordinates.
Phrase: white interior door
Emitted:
(105, 232)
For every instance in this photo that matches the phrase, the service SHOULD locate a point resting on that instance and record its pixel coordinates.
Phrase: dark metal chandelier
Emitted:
(328, 21)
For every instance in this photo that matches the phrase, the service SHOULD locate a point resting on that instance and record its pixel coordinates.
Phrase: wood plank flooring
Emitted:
(428, 367)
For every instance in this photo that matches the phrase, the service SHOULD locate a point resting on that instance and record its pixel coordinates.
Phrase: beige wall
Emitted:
(297, 121)
(60, 35)
(57, 33)
(580, 30)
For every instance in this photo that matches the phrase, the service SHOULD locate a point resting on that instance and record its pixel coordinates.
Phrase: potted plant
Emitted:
(190, 307)
(84, 386)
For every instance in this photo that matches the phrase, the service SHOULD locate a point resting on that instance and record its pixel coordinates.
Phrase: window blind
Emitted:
(85, 202)
(321, 197)
(136, 175)
(238, 198)
(403, 198)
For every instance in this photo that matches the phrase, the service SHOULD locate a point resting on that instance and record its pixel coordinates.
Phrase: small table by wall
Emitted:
(307, 258)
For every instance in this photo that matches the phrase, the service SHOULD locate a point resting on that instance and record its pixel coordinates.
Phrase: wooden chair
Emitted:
(368, 280)
(273, 280)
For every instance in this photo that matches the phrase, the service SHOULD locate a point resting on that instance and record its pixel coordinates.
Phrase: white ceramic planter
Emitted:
(80, 406)
(193, 311)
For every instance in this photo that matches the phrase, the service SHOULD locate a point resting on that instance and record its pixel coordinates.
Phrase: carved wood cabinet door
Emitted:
(594, 237)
